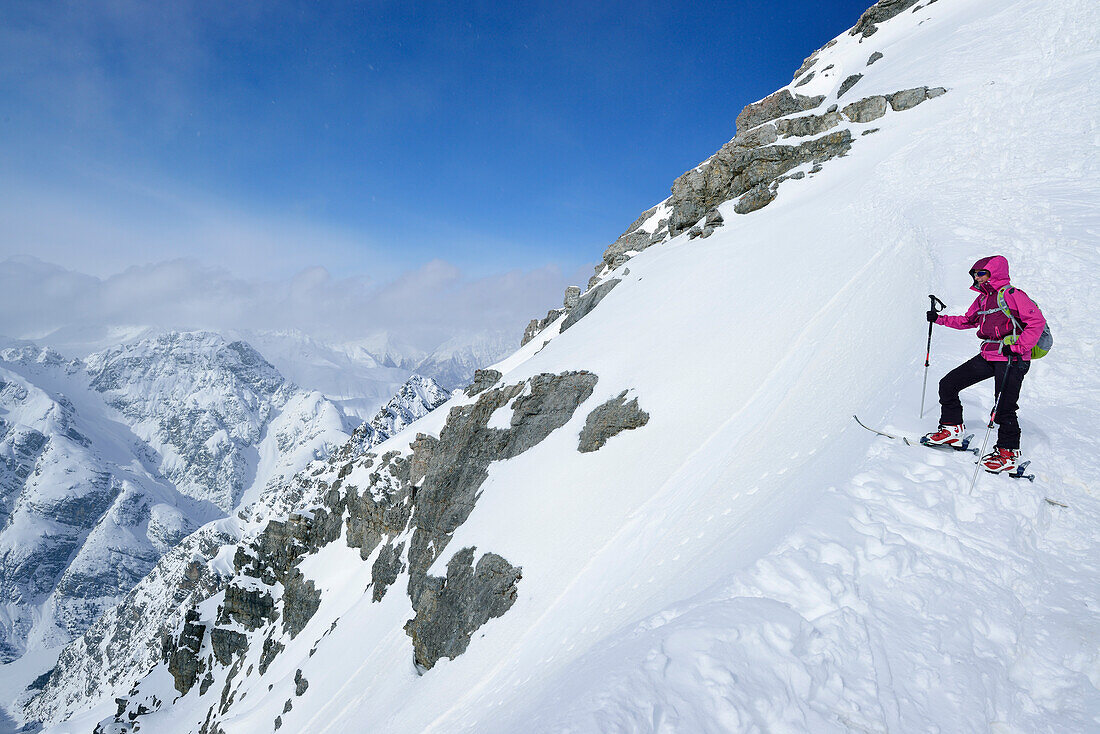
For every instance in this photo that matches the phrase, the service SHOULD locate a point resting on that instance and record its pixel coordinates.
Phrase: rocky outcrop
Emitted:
(537, 325)
(404, 518)
(776, 105)
(734, 170)
(127, 641)
(483, 380)
(248, 607)
(909, 98)
(866, 109)
(609, 419)
(457, 463)
(847, 84)
(588, 301)
(808, 125)
(387, 567)
(452, 608)
(881, 11)
(874, 57)
(755, 198)
(812, 59)
(181, 654)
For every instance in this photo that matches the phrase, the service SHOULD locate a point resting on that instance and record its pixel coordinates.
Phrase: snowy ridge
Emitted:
(737, 554)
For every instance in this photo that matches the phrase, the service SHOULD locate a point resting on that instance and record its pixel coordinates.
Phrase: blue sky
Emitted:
(368, 139)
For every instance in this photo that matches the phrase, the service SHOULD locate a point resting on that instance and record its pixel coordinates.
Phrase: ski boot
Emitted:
(948, 437)
(1001, 460)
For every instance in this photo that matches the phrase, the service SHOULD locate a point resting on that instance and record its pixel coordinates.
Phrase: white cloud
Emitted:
(425, 305)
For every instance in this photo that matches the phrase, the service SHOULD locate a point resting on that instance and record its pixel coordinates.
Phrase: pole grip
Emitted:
(936, 304)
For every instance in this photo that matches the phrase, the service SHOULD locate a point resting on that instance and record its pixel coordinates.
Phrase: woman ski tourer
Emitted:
(1009, 325)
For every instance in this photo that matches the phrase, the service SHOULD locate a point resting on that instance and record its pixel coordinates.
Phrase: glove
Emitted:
(1008, 351)
(932, 316)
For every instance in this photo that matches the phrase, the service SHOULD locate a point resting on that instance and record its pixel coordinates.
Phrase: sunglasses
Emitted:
(978, 273)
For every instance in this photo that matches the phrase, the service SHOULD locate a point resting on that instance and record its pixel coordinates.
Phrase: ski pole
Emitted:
(928, 348)
(989, 428)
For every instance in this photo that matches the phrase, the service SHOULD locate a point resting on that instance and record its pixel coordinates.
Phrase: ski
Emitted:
(1017, 473)
(920, 442)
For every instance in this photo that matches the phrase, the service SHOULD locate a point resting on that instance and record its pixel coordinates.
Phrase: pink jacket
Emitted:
(991, 322)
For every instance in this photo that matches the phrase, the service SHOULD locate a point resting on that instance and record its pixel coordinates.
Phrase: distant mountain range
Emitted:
(108, 462)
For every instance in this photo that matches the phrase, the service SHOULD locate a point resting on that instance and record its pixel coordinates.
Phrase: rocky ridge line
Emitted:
(752, 165)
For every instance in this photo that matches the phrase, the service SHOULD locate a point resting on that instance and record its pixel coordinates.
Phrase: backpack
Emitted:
(1046, 339)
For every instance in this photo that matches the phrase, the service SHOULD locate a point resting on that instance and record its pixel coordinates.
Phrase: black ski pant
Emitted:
(1007, 379)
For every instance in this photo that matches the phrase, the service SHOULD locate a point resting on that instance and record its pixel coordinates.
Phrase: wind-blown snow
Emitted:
(750, 559)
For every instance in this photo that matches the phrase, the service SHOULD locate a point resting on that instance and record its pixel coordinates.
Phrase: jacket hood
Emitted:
(997, 266)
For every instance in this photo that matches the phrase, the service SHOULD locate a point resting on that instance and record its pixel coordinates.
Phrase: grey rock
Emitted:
(226, 644)
(248, 607)
(635, 241)
(269, 652)
(450, 609)
(881, 11)
(832, 108)
(866, 110)
(300, 683)
(755, 198)
(536, 326)
(873, 58)
(640, 220)
(936, 92)
(301, 600)
(808, 125)
(457, 464)
(848, 84)
(387, 567)
(588, 301)
(758, 136)
(714, 218)
(694, 232)
(483, 380)
(776, 105)
(805, 80)
(734, 170)
(908, 98)
(868, 132)
(810, 60)
(607, 420)
(572, 295)
(181, 652)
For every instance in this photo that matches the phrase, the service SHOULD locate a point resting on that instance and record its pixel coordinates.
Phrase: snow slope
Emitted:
(750, 559)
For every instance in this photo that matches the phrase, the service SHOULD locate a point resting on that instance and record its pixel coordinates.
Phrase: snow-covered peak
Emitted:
(452, 363)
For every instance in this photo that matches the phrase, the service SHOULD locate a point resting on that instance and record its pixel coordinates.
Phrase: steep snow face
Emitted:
(747, 558)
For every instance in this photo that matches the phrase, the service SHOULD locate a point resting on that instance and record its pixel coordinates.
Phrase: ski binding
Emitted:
(1018, 472)
(964, 446)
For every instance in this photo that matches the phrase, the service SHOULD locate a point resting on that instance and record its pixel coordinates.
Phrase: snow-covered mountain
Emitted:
(657, 515)
(108, 463)
(127, 639)
(452, 364)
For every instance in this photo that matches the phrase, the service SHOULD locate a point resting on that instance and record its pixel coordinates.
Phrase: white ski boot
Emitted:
(1001, 460)
(951, 436)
